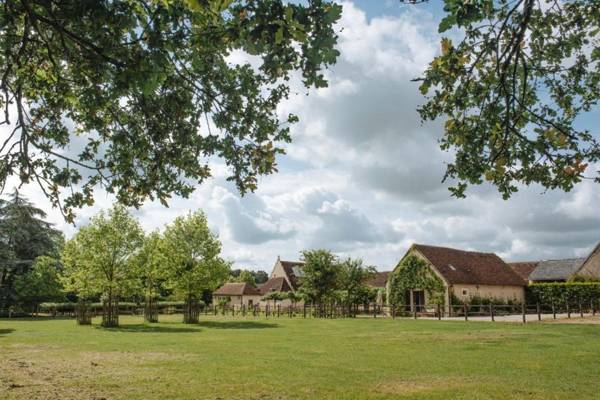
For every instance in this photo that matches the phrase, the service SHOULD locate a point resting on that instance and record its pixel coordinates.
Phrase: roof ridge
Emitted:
(455, 249)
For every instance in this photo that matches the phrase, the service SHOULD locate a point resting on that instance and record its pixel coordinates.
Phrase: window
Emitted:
(465, 292)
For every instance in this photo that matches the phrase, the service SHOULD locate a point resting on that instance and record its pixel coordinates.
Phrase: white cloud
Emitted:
(362, 175)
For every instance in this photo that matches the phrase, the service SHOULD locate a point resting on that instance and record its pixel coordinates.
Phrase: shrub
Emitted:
(562, 292)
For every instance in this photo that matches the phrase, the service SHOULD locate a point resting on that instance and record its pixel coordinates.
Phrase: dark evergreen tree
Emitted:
(24, 236)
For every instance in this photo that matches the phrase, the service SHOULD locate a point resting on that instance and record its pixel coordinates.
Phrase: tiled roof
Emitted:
(556, 270)
(293, 271)
(524, 269)
(470, 267)
(237, 289)
(379, 280)
(274, 285)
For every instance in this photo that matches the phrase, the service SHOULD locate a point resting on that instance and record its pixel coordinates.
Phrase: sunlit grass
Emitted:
(226, 358)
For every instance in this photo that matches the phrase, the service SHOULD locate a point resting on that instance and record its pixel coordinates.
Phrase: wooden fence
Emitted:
(464, 311)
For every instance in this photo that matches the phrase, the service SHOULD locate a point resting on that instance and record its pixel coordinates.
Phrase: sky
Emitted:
(363, 175)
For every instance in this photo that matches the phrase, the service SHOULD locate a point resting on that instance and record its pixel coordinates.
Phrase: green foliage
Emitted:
(98, 259)
(320, 275)
(194, 262)
(136, 81)
(512, 91)
(352, 278)
(561, 292)
(244, 276)
(257, 277)
(275, 296)
(41, 283)
(149, 262)
(413, 273)
(24, 236)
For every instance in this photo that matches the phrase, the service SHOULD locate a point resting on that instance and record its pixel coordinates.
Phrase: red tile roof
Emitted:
(274, 285)
(470, 267)
(524, 269)
(237, 289)
(288, 267)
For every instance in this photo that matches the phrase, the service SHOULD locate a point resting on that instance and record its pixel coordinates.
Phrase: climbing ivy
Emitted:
(414, 273)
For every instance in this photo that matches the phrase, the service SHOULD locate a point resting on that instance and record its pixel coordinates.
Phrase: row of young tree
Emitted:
(112, 258)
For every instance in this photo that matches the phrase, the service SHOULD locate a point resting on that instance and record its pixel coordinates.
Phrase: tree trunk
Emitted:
(191, 310)
(151, 309)
(110, 311)
(83, 314)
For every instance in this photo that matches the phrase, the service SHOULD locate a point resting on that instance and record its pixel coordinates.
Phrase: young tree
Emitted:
(352, 279)
(513, 91)
(24, 236)
(41, 283)
(151, 261)
(105, 250)
(77, 277)
(320, 275)
(194, 261)
(275, 296)
(135, 80)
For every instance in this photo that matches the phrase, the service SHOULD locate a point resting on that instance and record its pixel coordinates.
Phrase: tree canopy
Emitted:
(319, 274)
(194, 263)
(352, 278)
(24, 236)
(513, 91)
(41, 283)
(99, 259)
(138, 96)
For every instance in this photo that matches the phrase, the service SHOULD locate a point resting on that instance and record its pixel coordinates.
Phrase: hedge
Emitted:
(562, 292)
(123, 306)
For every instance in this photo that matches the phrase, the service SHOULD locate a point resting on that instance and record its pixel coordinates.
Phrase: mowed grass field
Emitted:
(226, 358)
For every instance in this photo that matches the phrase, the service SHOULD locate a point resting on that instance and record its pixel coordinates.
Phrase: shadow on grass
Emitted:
(237, 324)
(6, 331)
(142, 328)
(40, 318)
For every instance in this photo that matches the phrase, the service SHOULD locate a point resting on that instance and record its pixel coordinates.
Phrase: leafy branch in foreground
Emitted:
(137, 95)
(513, 91)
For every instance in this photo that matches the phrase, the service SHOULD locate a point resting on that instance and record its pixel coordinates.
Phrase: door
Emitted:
(419, 300)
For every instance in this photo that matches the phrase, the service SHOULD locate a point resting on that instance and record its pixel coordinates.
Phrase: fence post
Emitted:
(466, 311)
(278, 310)
(593, 307)
(553, 310)
(568, 310)
(304, 311)
(580, 308)
(523, 311)
(492, 311)
(439, 312)
(539, 313)
(415, 311)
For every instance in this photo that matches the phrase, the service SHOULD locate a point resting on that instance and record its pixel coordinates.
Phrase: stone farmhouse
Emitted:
(285, 277)
(465, 274)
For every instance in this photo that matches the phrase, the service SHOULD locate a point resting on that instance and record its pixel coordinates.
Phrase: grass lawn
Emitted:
(225, 358)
